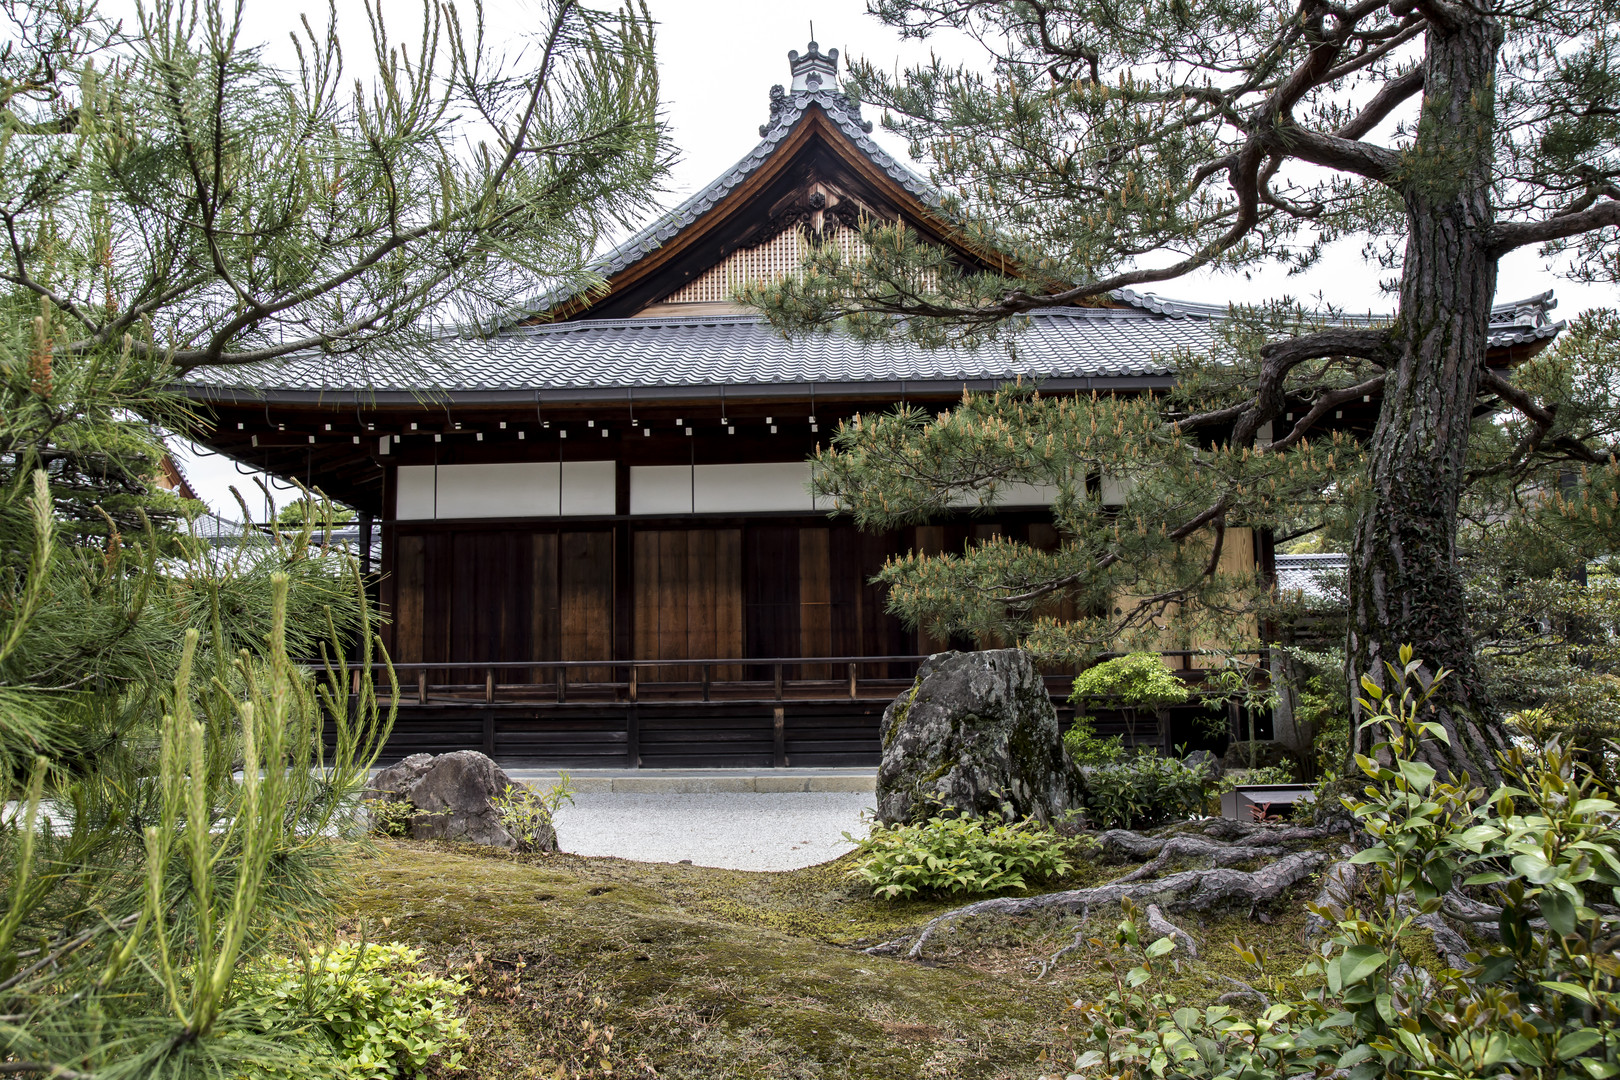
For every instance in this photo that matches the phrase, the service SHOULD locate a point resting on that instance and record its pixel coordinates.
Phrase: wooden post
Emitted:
(489, 686)
(779, 735)
(633, 671)
(421, 687)
(632, 737)
(778, 682)
(852, 669)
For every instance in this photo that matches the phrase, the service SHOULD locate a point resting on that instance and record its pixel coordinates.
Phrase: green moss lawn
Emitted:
(588, 967)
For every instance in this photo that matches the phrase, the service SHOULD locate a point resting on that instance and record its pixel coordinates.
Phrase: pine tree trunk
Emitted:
(1405, 587)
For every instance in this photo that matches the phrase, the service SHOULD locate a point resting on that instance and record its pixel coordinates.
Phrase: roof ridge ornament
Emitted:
(815, 74)
(814, 69)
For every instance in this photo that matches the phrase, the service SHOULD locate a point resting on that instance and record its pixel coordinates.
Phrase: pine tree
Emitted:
(1109, 146)
(181, 739)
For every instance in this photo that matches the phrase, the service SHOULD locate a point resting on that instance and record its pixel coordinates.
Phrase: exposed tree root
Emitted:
(1073, 946)
(1206, 837)
(1190, 890)
(1338, 888)
(1179, 848)
(1162, 926)
(1229, 829)
(1450, 943)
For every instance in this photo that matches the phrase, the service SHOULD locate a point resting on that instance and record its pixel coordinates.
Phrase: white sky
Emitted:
(718, 60)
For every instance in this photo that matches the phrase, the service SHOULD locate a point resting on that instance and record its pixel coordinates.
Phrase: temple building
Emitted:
(597, 542)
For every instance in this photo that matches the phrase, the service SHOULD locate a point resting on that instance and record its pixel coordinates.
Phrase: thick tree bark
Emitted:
(1405, 587)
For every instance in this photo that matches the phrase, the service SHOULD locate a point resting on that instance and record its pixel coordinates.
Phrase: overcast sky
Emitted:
(718, 60)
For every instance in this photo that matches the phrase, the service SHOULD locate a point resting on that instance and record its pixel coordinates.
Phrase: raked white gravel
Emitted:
(744, 831)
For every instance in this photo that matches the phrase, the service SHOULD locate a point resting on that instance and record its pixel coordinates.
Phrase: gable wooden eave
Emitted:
(816, 154)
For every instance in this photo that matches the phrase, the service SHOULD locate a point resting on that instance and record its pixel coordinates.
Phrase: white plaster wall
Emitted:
(1115, 488)
(1026, 494)
(504, 490)
(588, 488)
(754, 487)
(512, 489)
(660, 489)
(413, 500)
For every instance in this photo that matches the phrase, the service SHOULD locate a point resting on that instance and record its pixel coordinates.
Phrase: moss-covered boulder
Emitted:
(451, 797)
(975, 733)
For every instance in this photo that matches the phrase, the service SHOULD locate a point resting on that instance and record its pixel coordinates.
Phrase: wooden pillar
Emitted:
(779, 737)
(624, 581)
(365, 543)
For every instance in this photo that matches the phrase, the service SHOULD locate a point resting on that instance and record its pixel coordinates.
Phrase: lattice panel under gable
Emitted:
(775, 259)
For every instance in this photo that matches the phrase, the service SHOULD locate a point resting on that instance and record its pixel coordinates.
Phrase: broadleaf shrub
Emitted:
(368, 1004)
(1146, 789)
(1536, 997)
(957, 855)
(1086, 747)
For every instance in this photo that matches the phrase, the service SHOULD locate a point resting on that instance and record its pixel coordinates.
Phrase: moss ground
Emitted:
(601, 967)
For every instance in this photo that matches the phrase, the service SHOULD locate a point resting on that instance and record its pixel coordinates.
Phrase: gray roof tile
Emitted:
(743, 350)
(731, 350)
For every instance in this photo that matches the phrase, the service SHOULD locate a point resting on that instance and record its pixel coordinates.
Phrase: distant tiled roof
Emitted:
(1311, 575)
(1514, 322)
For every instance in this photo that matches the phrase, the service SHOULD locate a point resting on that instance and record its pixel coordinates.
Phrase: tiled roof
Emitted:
(1060, 345)
(733, 351)
(1314, 576)
(1513, 322)
(1064, 346)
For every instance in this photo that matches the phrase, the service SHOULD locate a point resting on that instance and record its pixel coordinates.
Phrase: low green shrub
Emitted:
(1265, 774)
(527, 814)
(1133, 684)
(1146, 789)
(368, 1005)
(1086, 747)
(957, 855)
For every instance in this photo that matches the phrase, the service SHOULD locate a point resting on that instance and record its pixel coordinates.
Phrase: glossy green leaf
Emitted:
(1419, 775)
(1380, 855)
(1574, 990)
(1360, 961)
(1559, 911)
(1578, 1042)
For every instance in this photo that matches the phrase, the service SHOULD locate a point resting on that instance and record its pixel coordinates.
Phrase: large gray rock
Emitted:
(452, 795)
(976, 733)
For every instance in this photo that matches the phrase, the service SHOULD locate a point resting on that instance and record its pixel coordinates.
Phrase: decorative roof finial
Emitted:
(814, 69)
(815, 72)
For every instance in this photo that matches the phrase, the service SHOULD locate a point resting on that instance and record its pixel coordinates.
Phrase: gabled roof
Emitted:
(787, 110)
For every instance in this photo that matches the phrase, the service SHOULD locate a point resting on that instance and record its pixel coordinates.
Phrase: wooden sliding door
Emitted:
(687, 600)
(482, 596)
